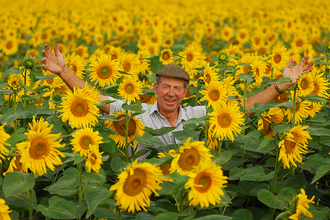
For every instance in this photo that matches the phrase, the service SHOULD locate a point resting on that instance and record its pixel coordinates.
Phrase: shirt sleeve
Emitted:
(115, 106)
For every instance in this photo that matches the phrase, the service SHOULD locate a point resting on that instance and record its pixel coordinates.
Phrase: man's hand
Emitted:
(54, 62)
(296, 71)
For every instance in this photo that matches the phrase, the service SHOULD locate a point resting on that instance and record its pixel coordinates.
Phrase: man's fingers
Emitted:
(44, 60)
(290, 63)
(47, 48)
(57, 49)
(303, 61)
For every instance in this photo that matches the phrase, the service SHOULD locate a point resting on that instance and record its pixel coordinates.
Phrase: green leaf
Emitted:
(223, 158)
(135, 106)
(317, 119)
(12, 70)
(148, 139)
(167, 216)
(321, 171)
(65, 186)
(242, 214)
(110, 147)
(93, 177)
(250, 174)
(178, 179)
(194, 121)
(17, 137)
(317, 214)
(45, 77)
(22, 201)
(296, 182)
(99, 199)
(6, 92)
(284, 80)
(59, 208)
(259, 107)
(265, 142)
(268, 198)
(103, 103)
(185, 134)
(117, 164)
(16, 183)
(144, 216)
(280, 128)
(318, 131)
(248, 77)
(312, 163)
(28, 88)
(158, 132)
(9, 117)
(315, 98)
(214, 217)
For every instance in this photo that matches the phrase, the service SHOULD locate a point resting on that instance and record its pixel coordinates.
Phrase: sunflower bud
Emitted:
(57, 97)
(223, 57)
(28, 62)
(327, 47)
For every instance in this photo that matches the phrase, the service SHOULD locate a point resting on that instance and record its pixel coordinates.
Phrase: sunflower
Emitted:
(274, 115)
(294, 143)
(279, 59)
(215, 94)
(135, 126)
(243, 35)
(83, 138)
(227, 33)
(97, 54)
(321, 84)
(166, 56)
(104, 71)
(4, 210)
(227, 120)
(205, 184)
(130, 89)
(302, 206)
(189, 156)
(82, 51)
(135, 185)
(79, 107)
(130, 64)
(10, 46)
(94, 159)
(209, 74)
(314, 108)
(76, 64)
(191, 58)
(165, 168)
(40, 124)
(305, 84)
(40, 150)
(301, 111)
(144, 63)
(15, 81)
(148, 98)
(115, 53)
(3, 138)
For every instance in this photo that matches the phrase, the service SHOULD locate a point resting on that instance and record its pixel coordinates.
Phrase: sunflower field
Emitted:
(63, 157)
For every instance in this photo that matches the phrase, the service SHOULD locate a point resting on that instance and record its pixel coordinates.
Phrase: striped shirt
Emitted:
(153, 119)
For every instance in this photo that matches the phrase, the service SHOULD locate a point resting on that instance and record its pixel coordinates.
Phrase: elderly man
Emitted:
(171, 87)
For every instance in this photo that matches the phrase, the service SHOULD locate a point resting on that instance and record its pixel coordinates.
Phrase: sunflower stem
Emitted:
(244, 111)
(294, 106)
(14, 103)
(219, 147)
(24, 105)
(274, 181)
(30, 204)
(126, 136)
(196, 100)
(181, 203)
(80, 182)
(191, 212)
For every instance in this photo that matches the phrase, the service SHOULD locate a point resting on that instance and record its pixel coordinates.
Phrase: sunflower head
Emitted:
(28, 62)
(223, 58)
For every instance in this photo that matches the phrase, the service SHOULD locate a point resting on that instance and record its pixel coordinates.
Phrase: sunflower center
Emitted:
(135, 183)
(9, 45)
(129, 88)
(50, 81)
(304, 84)
(316, 89)
(246, 69)
(93, 158)
(105, 72)
(242, 35)
(299, 43)
(114, 57)
(277, 58)
(85, 141)
(145, 98)
(204, 182)
(214, 95)
(165, 168)
(224, 120)
(39, 148)
(127, 67)
(289, 146)
(223, 57)
(79, 108)
(74, 68)
(121, 126)
(166, 56)
(207, 78)
(189, 57)
(188, 159)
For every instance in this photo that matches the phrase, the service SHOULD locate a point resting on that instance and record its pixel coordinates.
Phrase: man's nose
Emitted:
(171, 92)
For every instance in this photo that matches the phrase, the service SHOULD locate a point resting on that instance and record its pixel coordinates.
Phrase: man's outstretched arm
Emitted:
(55, 63)
(271, 93)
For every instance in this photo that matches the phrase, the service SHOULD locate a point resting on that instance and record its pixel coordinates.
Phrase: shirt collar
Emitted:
(182, 116)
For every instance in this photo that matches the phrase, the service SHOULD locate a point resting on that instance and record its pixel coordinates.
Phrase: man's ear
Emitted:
(155, 88)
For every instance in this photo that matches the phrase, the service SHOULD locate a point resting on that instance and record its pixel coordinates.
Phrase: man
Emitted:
(171, 87)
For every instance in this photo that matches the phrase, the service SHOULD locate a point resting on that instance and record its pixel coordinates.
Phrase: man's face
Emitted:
(170, 93)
